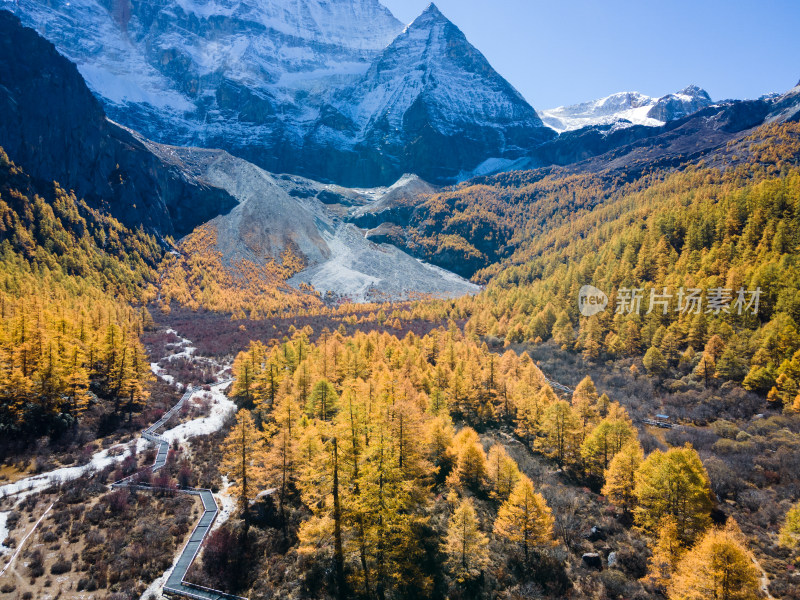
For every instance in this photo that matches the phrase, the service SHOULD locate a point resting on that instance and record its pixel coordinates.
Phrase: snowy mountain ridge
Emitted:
(245, 75)
(423, 59)
(297, 86)
(627, 108)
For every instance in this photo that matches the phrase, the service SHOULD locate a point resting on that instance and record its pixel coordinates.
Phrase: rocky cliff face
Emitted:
(245, 75)
(681, 104)
(53, 126)
(785, 107)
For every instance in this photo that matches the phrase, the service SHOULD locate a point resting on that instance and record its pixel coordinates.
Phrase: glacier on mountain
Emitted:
(627, 108)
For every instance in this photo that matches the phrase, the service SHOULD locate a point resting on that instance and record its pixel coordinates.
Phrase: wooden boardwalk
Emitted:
(176, 582)
(559, 388)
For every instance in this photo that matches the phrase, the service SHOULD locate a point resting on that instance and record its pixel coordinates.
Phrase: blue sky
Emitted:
(566, 51)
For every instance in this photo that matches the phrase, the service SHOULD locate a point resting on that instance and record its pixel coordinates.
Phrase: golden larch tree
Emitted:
(674, 484)
(525, 519)
(620, 477)
(503, 472)
(243, 460)
(718, 567)
(467, 548)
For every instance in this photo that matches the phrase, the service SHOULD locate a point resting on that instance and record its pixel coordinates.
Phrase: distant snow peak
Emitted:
(680, 104)
(630, 107)
(627, 108)
(432, 12)
(694, 91)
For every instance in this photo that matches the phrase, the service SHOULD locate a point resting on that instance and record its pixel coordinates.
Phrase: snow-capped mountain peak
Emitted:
(433, 99)
(680, 104)
(332, 89)
(632, 107)
(627, 108)
(431, 12)
(432, 61)
(691, 92)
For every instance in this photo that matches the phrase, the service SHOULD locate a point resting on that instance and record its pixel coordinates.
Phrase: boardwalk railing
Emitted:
(176, 582)
(561, 388)
(658, 423)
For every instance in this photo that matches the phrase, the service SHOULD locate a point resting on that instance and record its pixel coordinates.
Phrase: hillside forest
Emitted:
(498, 446)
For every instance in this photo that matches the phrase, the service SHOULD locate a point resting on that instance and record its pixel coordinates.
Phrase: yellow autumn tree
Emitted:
(503, 472)
(561, 428)
(466, 546)
(674, 484)
(584, 403)
(790, 531)
(242, 461)
(603, 444)
(440, 440)
(667, 552)
(470, 468)
(282, 457)
(718, 567)
(525, 519)
(620, 477)
(531, 410)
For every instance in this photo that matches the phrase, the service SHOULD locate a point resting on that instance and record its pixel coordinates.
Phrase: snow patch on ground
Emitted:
(159, 372)
(221, 409)
(186, 353)
(187, 350)
(3, 531)
(226, 502)
(38, 483)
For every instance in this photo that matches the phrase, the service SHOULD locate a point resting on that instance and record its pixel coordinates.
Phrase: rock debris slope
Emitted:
(279, 213)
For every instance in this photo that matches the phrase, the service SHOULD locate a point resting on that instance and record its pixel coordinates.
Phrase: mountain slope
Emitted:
(680, 104)
(54, 127)
(286, 228)
(632, 149)
(730, 221)
(786, 107)
(472, 227)
(184, 71)
(69, 273)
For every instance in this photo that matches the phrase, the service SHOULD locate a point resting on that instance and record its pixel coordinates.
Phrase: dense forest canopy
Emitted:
(70, 333)
(722, 232)
(369, 461)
